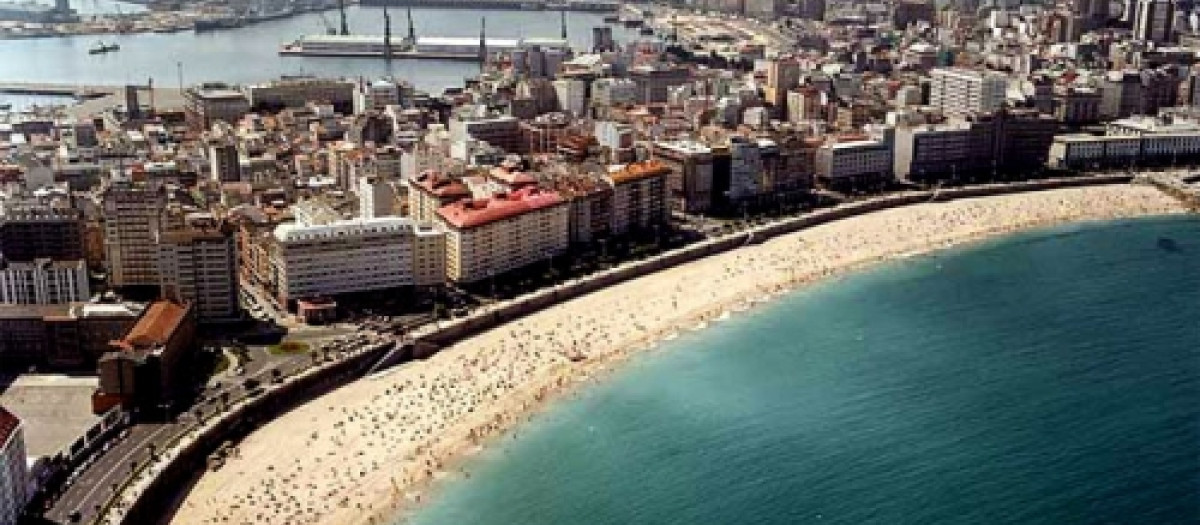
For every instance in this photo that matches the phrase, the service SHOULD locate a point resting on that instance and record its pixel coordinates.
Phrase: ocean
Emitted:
(1049, 377)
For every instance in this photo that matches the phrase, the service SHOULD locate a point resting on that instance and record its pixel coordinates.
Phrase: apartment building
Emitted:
(854, 164)
(131, 213)
(431, 190)
(353, 255)
(197, 264)
(14, 473)
(208, 103)
(296, 92)
(959, 90)
(43, 281)
(639, 197)
(31, 229)
(487, 237)
(691, 180)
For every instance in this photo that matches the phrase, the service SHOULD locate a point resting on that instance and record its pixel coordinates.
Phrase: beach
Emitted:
(368, 450)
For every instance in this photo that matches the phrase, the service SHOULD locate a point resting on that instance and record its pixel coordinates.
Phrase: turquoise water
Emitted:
(1050, 377)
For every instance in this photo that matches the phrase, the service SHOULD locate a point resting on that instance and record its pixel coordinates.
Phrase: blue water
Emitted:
(1046, 378)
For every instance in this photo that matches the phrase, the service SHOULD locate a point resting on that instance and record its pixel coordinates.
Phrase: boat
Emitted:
(101, 48)
(612, 19)
(5, 107)
(211, 24)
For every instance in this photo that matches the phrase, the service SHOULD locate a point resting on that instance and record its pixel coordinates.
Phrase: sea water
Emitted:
(1048, 377)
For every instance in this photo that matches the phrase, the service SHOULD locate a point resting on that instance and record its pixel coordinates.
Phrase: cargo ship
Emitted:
(430, 47)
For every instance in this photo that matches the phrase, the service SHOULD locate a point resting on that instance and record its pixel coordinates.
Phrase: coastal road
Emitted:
(93, 485)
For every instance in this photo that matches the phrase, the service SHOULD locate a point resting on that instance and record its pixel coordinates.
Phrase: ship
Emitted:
(212, 24)
(101, 48)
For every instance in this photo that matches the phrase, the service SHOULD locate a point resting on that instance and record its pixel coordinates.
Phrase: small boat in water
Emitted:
(5, 107)
(101, 48)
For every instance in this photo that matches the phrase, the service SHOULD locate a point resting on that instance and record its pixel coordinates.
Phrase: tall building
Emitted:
(14, 473)
(197, 264)
(376, 96)
(1154, 21)
(43, 282)
(855, 164)
(208, 103)
(224, 161)
(131, 221)
(783, 75)
(32, 230)
(487, 237)
(328, 258)
(691, 180)
(639, 197)
(961, 91)
(376, 197)
(1007, 141)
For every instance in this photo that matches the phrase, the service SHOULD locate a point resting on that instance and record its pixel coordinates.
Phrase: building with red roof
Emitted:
(490, 236)
(145, 366)
(14, 473)
(431, 190)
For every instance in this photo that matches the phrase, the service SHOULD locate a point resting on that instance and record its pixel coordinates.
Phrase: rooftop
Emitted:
(440, 185)
(472, 213)
(9, 423)
(156, 326)
(639, 170)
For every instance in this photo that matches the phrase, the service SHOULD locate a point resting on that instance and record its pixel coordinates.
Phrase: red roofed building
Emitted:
(487, 237)
(431, 190)
(14, 474)
(145, 366)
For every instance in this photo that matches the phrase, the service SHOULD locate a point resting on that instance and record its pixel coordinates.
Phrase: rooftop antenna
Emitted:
(345, 30)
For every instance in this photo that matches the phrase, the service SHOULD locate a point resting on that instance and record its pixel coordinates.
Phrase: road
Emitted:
(94, 484)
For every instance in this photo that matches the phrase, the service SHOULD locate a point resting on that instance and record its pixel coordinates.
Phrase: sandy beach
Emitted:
(365, 452)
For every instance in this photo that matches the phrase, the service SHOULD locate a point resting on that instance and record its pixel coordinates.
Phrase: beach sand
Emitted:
(367, 451)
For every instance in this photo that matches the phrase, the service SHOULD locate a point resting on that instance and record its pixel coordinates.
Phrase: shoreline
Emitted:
(423, 418)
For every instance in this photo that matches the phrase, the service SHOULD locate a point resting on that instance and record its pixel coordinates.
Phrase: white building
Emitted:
(614, 91)
(355, 255)
(43, 282)
(854, 163)
(572, 96)
(14, 473)
(376, 197)
(958, 90)
(1154, 20)
(376, 96)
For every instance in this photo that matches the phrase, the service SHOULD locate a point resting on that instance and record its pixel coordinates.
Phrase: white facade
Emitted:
(958, 91)
(376, 198)
(43, 282)
(376, 96)
(572, 96)
(854, 160)
(355, 255)
(14, 473)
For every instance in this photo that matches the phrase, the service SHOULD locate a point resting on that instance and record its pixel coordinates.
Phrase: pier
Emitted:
(57, 90)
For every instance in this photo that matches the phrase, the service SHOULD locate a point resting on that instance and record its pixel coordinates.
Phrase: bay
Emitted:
(1050, 377)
